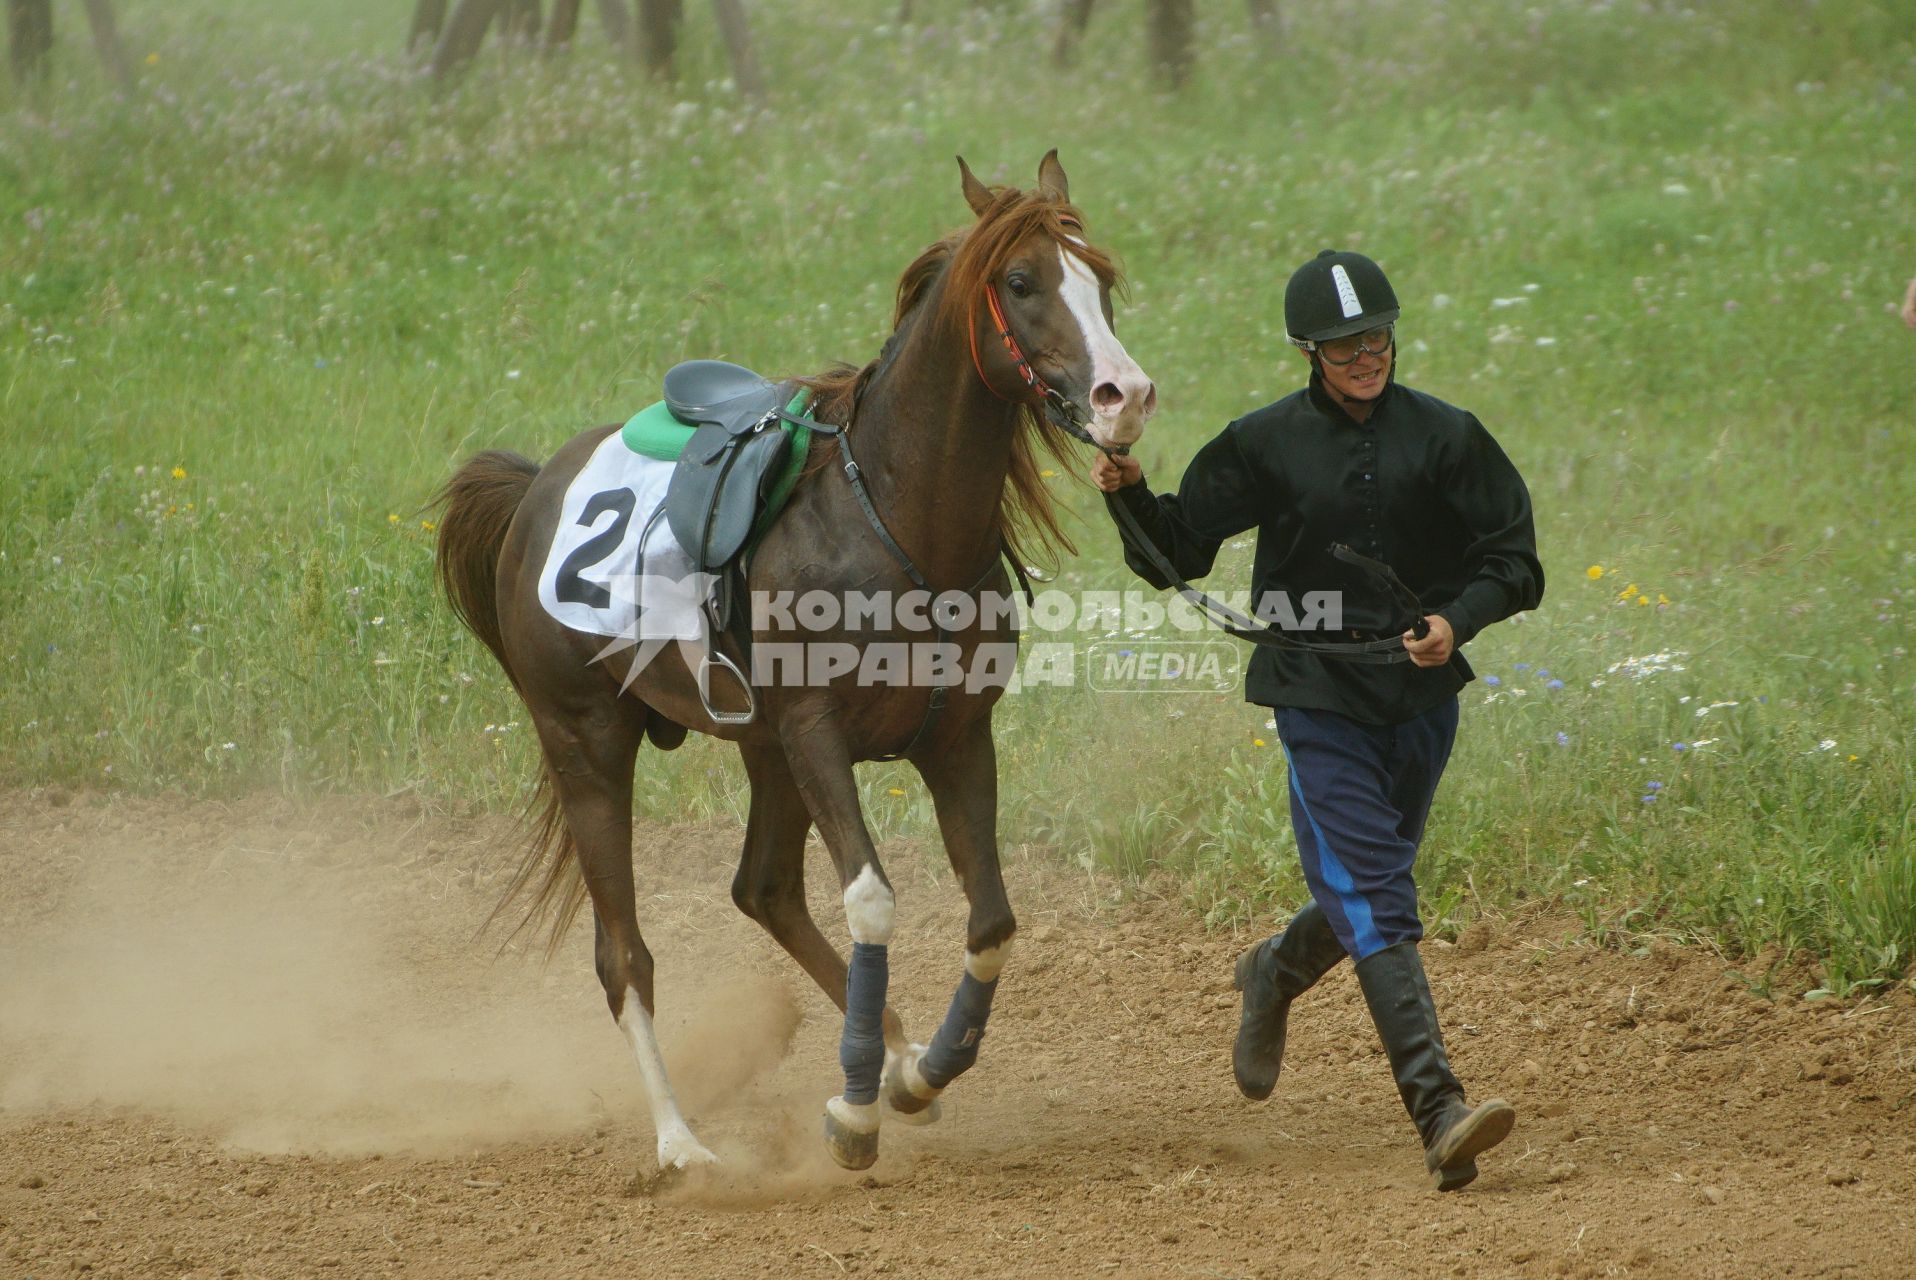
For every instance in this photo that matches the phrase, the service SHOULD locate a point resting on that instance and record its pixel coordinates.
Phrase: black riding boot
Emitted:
(1272, 974)
(1454, 1134)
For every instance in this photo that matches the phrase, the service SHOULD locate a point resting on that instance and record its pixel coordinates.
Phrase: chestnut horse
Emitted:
(1002, 332)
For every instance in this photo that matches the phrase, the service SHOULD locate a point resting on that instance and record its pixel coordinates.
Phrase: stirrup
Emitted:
(712, 658)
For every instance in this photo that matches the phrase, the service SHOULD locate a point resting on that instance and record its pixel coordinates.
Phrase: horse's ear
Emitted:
(977, 194)
(1051, 179)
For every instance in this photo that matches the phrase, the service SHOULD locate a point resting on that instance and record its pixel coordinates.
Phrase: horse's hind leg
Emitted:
(963, 781)
(589, 758)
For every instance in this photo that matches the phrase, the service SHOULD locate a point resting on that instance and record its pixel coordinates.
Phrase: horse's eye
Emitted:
(1019, 284)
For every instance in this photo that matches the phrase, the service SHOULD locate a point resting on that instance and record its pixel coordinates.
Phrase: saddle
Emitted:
(732, 476)
(735, 456)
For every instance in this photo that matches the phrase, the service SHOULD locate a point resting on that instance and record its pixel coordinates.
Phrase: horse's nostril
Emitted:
(1107, 397)
(1150, 399)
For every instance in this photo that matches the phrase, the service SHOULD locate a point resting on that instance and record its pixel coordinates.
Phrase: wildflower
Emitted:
(179, 473)
(1563, 739)
(1594, 572)
(1663, 601)
(1522, 666)
(427, 525)
(1653, 785)
(1257, 742)
(1492, 681)
(152, 59)
(1679, 746)
(1650, 798)
(1628, 592)
(1048, 474)
(392, 517)
(1643, 599)
(1827, 744)
(895, 791)
(1554, 684)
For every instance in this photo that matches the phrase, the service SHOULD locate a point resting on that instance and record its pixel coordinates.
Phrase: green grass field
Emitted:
(251, 317)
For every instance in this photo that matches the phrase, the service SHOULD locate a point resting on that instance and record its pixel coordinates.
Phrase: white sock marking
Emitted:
(987, 964)
(677, 1147)
(868, 908)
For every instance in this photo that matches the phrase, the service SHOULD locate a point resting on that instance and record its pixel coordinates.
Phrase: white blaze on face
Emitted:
(1121, 396)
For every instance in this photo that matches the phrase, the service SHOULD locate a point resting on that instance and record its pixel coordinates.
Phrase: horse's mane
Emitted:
(966, 261)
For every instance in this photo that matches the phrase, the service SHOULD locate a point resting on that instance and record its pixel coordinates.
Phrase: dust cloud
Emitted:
(323, 991)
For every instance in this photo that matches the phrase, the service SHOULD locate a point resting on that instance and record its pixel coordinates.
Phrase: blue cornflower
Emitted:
(1563, 739)
(1554, 684)
(1653, 786)
(1650, 798)
(1522, 666)
(1492, 681)
(1679, 746)
(1543, 673)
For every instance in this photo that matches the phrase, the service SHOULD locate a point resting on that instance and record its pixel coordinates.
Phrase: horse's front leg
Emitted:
(822, 769)
(963, 780)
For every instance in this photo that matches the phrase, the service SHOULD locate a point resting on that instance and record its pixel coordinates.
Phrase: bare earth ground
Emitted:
(262, 1040)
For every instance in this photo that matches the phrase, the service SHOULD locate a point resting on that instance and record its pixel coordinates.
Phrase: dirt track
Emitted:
(261, 1041)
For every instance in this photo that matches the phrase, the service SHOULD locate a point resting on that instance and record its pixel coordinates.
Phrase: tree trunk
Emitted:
(563, 25)
(465, 32)
(617, 22)
(738, 42)
(428, 18)
(1170, 40)
(106, 41)
(656, 35)
(30, 32)
(1267, 22)
(1077, 16)
(523, 20)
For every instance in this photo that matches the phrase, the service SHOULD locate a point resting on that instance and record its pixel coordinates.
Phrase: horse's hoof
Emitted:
(910, 1098)
(684, 1154)
(851, 1133)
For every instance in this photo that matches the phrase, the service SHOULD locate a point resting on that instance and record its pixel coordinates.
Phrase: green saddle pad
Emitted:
(653, 432)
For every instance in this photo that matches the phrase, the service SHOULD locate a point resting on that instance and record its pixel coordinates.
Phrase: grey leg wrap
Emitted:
(861, 1050)
(955, 1047)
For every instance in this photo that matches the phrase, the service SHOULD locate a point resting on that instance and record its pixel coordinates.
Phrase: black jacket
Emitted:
(1420, 485)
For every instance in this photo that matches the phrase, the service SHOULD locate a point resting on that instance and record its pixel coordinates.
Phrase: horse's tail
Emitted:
(477, 507)
(478, 504)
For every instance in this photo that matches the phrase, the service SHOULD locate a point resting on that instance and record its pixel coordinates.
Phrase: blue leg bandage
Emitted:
(955, 1047)
(861, 1050)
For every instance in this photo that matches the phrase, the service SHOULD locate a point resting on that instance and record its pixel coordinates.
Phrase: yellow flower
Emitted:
(392, 517)
(1662, 599)
(1594, 572)
(427, 525)
(1852, 760)
(1257, 742)
(152, 59)
(1048, 473)
(179, 473)
(1627, 592)
(895, 791)
(1643, 599)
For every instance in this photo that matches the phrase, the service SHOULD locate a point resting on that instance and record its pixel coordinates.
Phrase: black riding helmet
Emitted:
(1335, 295)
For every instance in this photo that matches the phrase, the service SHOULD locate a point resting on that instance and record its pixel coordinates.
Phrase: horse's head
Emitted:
(1038, 296)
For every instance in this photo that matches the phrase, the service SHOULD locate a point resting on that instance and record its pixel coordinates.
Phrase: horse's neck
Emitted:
(935, 446)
